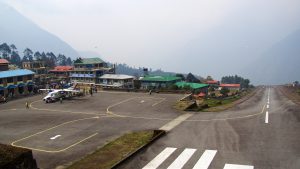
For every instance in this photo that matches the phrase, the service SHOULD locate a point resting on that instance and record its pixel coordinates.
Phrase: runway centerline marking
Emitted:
(267, 117)
(268, 106)
(160, 158)
(182, 159)
(55, 137)
(205, 159)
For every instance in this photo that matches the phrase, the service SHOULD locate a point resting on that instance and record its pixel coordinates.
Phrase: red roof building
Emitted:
(61, 72)
(4, 61)
(212, 82)
(230, 85)
(62, 69)
(4, 64)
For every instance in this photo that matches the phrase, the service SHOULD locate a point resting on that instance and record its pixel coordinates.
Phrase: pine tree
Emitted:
(37, 55)
(5, 51)
(62, 60)
(69, 61)
(15, 58)
(28, 54)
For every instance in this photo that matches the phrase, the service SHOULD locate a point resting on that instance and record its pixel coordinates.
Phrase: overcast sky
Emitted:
(157, 33)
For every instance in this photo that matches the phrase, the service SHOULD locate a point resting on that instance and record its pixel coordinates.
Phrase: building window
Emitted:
(10, 80)
(29, 77)
(20, 78)
(1, 81)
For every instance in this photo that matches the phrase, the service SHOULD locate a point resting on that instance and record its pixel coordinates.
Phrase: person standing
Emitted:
(91, 91)
(27, 105)
(61, 100)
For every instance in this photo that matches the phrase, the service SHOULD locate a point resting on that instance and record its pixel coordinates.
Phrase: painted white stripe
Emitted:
(160, 158)
(182, 159)
(268, 106)
(267, 117)
(53, 138)
(142, 101)
(205, 159)
(169, 126)
(235, 166)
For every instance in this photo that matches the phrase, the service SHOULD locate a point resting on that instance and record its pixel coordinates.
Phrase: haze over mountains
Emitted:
(255, 45)
(279, 64)
(17, 29)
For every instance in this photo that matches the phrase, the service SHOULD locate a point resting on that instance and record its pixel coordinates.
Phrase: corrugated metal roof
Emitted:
(230, 85)
(192, 85)
(88, 61)
(116, 76)
(18, 72)
(61, 68)
(212, 82)
(160, 78)
(4, 61)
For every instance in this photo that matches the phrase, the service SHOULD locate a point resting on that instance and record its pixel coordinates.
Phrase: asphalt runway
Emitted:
(262, 133)
(61, 133)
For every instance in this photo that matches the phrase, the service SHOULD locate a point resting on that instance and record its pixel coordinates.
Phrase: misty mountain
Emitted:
(280, 64)
(17, 29)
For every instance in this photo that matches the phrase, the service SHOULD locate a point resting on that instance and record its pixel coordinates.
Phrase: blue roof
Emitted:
(18, 72)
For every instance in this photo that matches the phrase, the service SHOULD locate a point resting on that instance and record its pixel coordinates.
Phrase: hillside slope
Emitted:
(17, 29)
(280, 64)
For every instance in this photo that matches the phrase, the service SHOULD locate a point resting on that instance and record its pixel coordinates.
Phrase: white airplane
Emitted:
(56, 94)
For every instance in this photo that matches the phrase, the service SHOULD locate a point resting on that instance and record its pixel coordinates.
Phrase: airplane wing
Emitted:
(69, 90)
(49, 90)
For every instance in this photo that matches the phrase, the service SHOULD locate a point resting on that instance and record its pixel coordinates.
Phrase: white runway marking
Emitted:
(235, 166)
(205, 159)
(267, 117)
(182, 159)
(142, 101)
(160, 158)
(53, 138)
(169, 126)
(268, 106)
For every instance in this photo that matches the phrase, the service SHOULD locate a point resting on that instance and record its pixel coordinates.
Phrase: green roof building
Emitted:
(191, 85)
(156, 82)
(88, 70)
(197, 87)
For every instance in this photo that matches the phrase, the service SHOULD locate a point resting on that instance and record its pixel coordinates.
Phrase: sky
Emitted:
(174, 35)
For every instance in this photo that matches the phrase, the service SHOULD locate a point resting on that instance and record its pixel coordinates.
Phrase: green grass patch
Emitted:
(212, 102)
(182, 105)
(113, 152)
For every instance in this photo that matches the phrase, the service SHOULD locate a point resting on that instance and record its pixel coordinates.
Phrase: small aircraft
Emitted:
(56, 94)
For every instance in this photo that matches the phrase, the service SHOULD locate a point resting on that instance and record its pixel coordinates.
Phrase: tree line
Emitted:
(245, 83)
(11, 53)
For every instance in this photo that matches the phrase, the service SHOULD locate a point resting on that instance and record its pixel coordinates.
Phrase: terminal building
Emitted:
(61, 73)
(88, 70)
(116, 81)
(16, 82)
(157, 82)
(39, 69)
